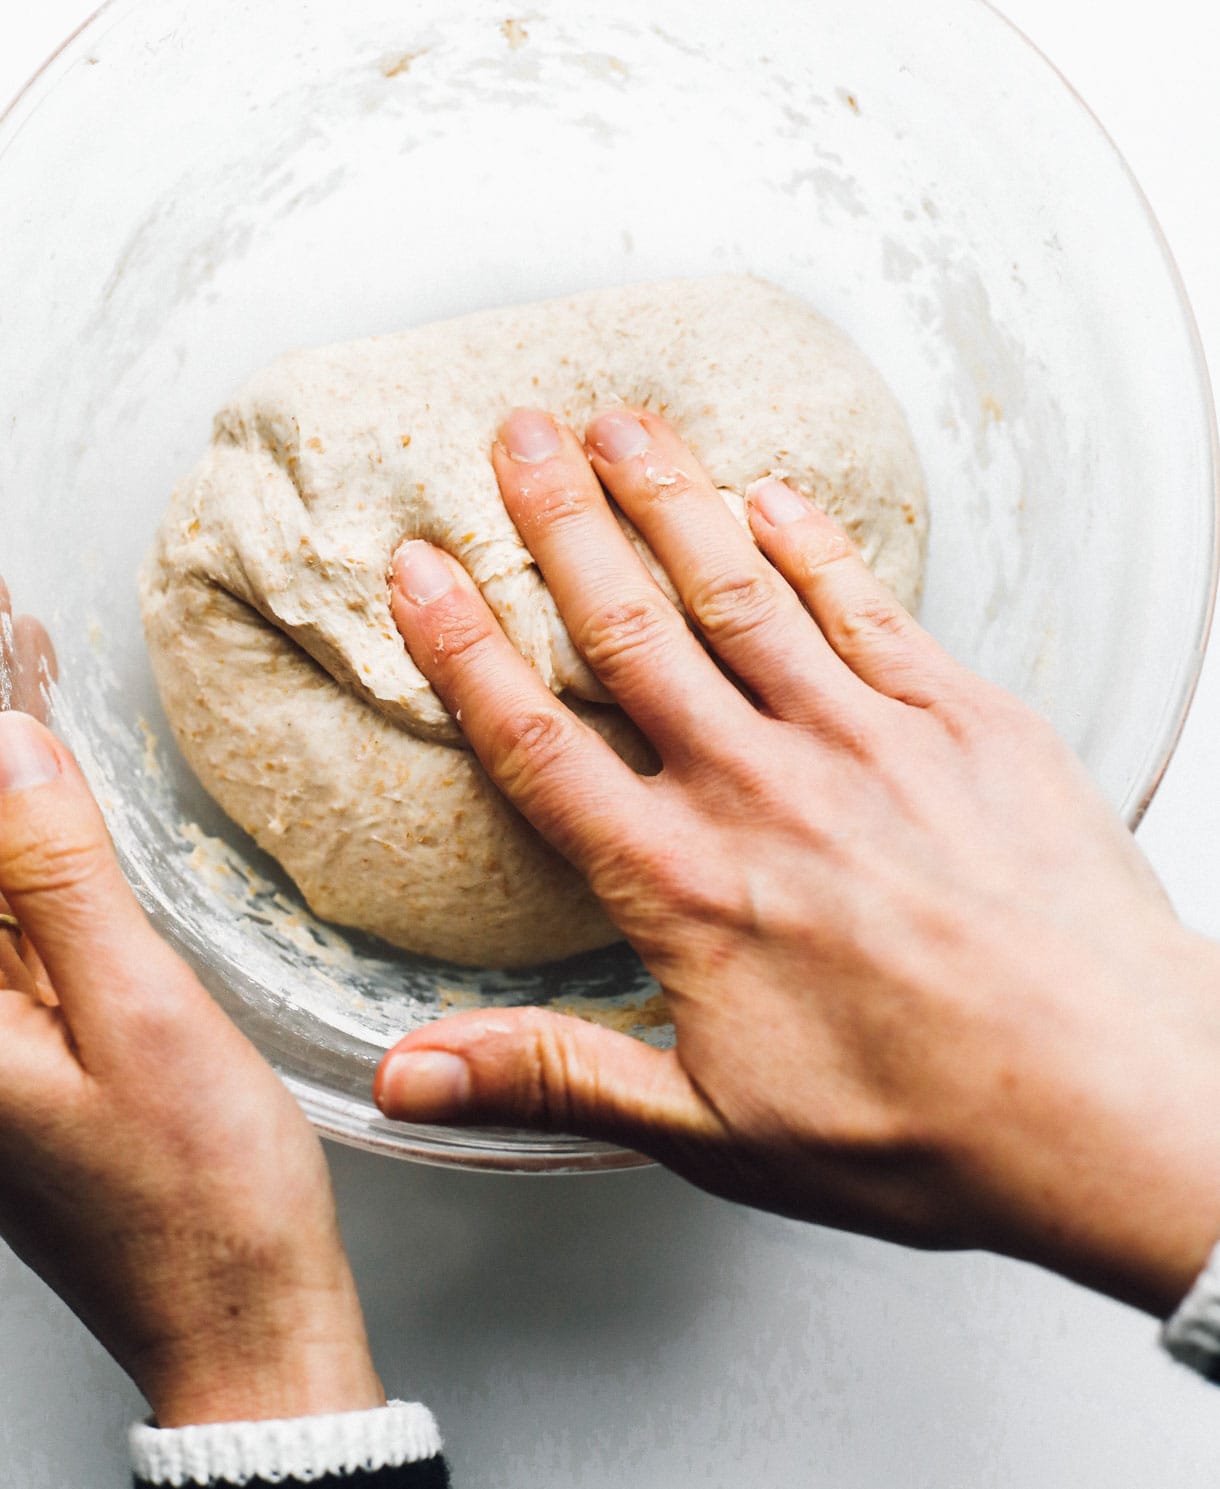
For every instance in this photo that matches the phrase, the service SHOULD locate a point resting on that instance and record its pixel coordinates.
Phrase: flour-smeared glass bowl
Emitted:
(188, 190)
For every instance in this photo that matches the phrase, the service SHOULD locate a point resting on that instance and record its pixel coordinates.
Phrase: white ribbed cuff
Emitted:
(1192, 1335)
(305, 1448)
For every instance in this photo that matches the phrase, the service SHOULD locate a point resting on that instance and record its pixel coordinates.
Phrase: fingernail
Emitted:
(777, 501)
(618, 436)
(530, 436)
(421, 573)
(423, 1086)
(26, 759)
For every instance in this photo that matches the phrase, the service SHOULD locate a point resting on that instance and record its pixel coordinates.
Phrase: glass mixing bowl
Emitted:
(188, 190)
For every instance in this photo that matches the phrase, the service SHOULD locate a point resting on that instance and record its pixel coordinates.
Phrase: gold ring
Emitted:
(10, 923)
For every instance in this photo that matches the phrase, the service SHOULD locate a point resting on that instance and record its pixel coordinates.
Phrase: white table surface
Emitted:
(627, 1330)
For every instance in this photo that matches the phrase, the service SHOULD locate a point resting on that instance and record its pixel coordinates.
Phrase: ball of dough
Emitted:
(266, 606)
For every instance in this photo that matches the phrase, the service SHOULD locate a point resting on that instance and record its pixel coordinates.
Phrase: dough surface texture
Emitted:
(266, 604)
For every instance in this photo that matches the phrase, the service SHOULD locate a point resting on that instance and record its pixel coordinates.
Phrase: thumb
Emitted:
(59, 874)
(529, 1068)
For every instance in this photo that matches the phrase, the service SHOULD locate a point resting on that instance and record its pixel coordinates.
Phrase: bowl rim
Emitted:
(1142, 798)
(525, 1153)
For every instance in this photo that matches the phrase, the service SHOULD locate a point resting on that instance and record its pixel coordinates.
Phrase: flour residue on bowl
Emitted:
(256, 938)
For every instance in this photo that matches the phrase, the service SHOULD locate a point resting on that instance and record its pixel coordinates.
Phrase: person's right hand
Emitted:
(153, 1169)
(924, 984)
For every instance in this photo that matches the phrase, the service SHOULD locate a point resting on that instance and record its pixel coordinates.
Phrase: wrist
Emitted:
(1102, 1162)
(313, 1359)
(306, 1385)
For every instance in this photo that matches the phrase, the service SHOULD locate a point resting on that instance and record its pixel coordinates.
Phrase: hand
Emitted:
(923, 983)
(153, 1170)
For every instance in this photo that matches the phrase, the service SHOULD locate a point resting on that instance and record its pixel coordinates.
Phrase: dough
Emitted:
(265, 598)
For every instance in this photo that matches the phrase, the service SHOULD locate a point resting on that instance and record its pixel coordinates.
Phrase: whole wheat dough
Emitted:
(266, 605)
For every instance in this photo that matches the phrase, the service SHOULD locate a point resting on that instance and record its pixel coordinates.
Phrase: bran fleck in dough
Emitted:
(265, 597)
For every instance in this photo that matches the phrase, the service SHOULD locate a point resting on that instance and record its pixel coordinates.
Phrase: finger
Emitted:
(529, 1068)
(8, 658)
(15, 975)
(21, 968)
(27, 661)
(557, 771)
(61, 880)
(623, 625)
(750, 617)
(860, 618)
(35, 668)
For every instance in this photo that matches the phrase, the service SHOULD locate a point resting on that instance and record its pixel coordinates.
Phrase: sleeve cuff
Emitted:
(1192, 1335)
(304, 1450)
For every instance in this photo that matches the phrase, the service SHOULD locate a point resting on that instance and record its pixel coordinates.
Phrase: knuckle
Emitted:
(732, 605)
(155, 1025)
(823, 549)
(964, 720)
(460, 640)
(867, 617)
(51, 863)
(551, 1079)
(689, 887)
(666, 483)
(529, 748)
(981, 711)
(619, 634)
(855, 737)
(551, 507)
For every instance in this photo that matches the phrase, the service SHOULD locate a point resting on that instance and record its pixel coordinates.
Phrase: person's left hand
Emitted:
(153, 1169)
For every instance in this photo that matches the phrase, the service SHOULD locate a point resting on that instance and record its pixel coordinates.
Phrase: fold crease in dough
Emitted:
(266, 605)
